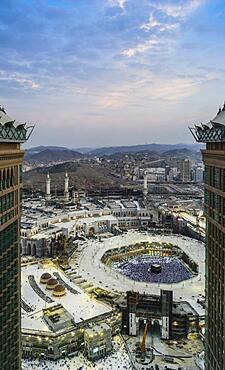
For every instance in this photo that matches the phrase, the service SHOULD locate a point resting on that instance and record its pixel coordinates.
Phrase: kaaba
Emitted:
(156, 269)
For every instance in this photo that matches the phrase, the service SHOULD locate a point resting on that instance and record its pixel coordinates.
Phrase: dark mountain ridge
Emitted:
(159, 148)
(52, 155)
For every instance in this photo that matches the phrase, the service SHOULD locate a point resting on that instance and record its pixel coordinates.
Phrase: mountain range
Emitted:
(51, 154)
(66, 153)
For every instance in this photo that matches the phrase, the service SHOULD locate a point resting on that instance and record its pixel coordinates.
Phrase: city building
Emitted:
(57, 314)
(198, 174)
(171, 320)
(213, 134)
(41, 225)
(97, 341)
(186, 171)
(183, 217)
(12, 134)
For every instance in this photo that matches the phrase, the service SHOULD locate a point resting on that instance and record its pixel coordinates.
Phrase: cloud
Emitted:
(113, 60)
(149, 89)
(176, 89)
(112, 100)
(162, 25)
(19, 80)
(142, 47)
(179, 10)
(118, 3)
(153, 23)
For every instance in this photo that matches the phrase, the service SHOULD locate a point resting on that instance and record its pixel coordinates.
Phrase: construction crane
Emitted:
(143, 348)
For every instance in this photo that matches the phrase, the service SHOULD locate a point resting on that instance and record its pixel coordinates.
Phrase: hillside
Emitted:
(41, 148)
(159, 148)
(82, 176)
(183, 153)
(51, 155)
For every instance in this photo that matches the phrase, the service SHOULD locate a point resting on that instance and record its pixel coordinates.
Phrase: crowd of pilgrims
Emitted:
(139, 269)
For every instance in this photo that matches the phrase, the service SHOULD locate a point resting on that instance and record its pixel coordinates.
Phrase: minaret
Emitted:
(74, 196)
(66, 188)
(48, 187)
(145, 189)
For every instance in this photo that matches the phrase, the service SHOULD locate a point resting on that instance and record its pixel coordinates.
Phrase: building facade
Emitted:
(11, 156)
(186, 171)
(97, 341)
(213, 134)
(170, 319)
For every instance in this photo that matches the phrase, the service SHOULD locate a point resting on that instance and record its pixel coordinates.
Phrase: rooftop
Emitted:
(12, 131)
(213, 131)
(76, 302)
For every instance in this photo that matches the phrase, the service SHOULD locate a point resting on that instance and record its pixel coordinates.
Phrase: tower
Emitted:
(12, 134)
(132, 302)
(48, 187)
(186, 171)
(74, 198)
(145, 186)
(66, 188)
(166, 297)
(213, 134)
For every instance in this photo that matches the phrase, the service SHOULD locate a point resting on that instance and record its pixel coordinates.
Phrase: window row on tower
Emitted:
(6, 202)
(215, 177)
(7, 178)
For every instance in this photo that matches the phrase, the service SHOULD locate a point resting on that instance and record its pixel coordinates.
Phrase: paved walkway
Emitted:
(93, 270)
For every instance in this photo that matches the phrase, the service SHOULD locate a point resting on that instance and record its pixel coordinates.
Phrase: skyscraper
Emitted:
(12, 134)
(213, 134)
(198, 174)
(186, 171)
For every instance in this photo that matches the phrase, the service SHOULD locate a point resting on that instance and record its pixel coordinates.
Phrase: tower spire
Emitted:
(48, 187)
(66, 187)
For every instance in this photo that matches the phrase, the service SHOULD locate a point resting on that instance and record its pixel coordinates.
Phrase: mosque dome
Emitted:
(45, 277)
(51, 284)
(59, 290)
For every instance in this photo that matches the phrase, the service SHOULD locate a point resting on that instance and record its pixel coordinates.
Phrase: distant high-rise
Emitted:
(186, 171)
(12, 135)
(213, 134)
(198, 174)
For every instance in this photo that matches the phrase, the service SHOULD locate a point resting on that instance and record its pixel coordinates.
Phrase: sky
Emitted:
(112, 72)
